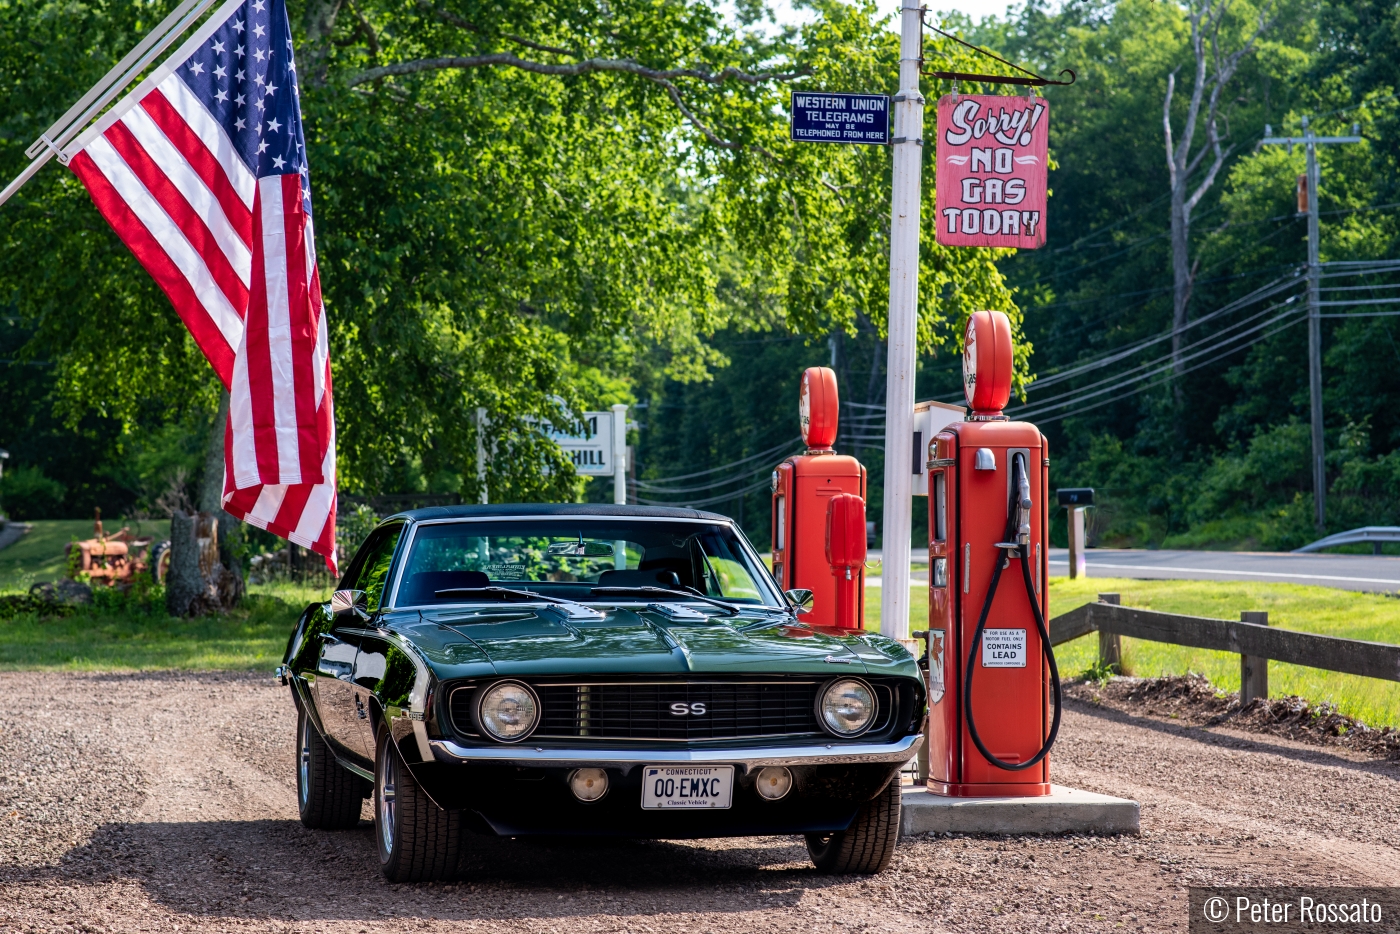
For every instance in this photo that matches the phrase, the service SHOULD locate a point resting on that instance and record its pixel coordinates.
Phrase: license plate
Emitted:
(681, 787)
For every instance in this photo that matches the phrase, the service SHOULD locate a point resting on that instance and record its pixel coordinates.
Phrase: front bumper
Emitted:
(624, 759)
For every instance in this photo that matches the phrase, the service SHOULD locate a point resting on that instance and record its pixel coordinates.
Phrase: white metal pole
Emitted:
(619, 453)
(481, 454)
(903, 322)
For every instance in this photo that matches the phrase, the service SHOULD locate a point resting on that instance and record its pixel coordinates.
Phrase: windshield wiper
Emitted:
(689, 593)
(572, 607)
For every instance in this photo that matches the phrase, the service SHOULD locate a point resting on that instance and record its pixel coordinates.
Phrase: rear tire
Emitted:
(417, 840)
(328, 795)
(868, 845)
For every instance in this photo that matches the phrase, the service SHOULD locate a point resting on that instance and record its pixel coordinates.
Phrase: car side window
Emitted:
(371, 573)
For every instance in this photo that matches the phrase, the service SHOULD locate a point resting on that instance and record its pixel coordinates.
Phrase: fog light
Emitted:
(773, 782)
(589, 784)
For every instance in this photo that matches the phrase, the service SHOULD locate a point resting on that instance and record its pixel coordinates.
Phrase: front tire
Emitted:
(417, 840)
(328, 795)
(867, 846)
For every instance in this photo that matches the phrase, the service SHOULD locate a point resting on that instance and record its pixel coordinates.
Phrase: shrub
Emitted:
(25, 493)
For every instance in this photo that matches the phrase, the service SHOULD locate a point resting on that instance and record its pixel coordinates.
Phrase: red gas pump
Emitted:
(994, 689)
(803, 489)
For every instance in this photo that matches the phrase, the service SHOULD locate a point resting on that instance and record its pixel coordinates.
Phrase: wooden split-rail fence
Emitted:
(1252, 637)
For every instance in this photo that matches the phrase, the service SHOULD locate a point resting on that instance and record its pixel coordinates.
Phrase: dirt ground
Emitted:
(165, 802)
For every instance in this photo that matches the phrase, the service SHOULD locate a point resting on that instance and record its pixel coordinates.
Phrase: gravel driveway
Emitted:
(164, 802)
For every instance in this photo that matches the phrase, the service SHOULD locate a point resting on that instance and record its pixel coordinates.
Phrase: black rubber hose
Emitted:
(1044, 643)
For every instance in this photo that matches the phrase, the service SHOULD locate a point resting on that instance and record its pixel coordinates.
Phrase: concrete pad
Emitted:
(1064, 810)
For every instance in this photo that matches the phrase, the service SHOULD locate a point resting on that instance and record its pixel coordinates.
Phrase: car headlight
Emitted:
(846, 707)
(508, 711)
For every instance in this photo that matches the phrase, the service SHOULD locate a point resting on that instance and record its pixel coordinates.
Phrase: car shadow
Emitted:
(277, 869)
(1206, 735)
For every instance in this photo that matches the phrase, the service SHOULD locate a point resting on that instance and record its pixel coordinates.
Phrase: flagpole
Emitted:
(117, 80)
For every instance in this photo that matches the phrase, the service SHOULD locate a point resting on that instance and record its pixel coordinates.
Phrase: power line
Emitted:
(709, 500)
(721, 468)
(1086, 408)
(1116, 384)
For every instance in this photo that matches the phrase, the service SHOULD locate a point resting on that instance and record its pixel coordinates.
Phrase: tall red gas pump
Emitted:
(804, 486)
(994, 689)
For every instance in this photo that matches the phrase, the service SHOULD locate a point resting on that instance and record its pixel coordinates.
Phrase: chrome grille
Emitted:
(650, 710)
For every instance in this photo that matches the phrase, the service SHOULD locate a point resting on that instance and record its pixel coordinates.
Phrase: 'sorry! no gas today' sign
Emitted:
(991, 171)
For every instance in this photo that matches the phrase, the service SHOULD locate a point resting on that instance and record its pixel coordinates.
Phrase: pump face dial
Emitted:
(804, 405)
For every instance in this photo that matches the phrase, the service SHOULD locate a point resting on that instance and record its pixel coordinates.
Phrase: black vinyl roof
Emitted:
(558, 509)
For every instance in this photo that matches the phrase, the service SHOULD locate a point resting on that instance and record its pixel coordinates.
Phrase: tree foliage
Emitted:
(531, 208)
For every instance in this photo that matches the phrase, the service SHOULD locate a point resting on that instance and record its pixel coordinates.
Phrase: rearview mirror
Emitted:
(580, 549)
(801, 599)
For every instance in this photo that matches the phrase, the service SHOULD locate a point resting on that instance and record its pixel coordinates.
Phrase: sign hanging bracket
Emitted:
(1032, 80)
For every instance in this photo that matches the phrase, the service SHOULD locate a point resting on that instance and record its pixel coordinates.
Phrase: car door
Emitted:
(373, 579)
(343, 710)
(335, 699)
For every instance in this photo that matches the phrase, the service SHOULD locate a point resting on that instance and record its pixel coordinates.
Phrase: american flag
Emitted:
(201, 171)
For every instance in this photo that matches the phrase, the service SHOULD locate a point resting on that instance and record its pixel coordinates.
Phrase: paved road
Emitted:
(1346, 572)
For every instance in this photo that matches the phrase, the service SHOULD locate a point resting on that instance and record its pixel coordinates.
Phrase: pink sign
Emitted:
(991, 171)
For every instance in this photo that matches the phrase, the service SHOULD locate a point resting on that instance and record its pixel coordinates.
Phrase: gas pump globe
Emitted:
(994, 689)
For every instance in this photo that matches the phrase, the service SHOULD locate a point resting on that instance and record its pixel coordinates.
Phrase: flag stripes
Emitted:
(201, 171)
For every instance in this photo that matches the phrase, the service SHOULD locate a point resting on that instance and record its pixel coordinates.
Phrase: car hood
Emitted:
(521, 642)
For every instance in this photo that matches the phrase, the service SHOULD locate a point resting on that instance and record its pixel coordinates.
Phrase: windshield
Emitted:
(580, 559)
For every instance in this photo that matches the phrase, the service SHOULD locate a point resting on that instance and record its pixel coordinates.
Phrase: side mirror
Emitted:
(801, 599)
(349, 601)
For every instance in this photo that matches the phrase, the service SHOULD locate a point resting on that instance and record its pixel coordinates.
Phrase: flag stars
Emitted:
(278, 162)
(262, 147)
(221, 96)
(273, 125)
(238, 51)
(259, 6)
(238, 27)
(220, 72)
(271, 89)
(218, 47)
(197, 68)
(238, 75)
(259, 54)
(240, 124)
(238, 100)
(259, 31)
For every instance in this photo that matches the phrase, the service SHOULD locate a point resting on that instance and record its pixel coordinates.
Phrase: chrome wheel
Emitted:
(388, 798)
(304, 761)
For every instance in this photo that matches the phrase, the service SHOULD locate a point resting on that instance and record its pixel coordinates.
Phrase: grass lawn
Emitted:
(251, 638)
(1346, 614)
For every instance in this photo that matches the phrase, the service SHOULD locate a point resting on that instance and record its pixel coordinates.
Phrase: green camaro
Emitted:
(591, 670)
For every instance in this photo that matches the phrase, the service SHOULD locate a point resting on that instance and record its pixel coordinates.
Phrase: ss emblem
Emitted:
(694, 710)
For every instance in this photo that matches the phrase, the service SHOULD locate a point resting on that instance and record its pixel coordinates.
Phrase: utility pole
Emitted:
(903, 326)
(1313, 185)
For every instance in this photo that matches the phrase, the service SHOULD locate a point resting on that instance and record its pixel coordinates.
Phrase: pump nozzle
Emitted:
(1023, 501)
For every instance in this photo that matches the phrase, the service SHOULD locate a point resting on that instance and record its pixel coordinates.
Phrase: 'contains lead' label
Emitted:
(1003, 648)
